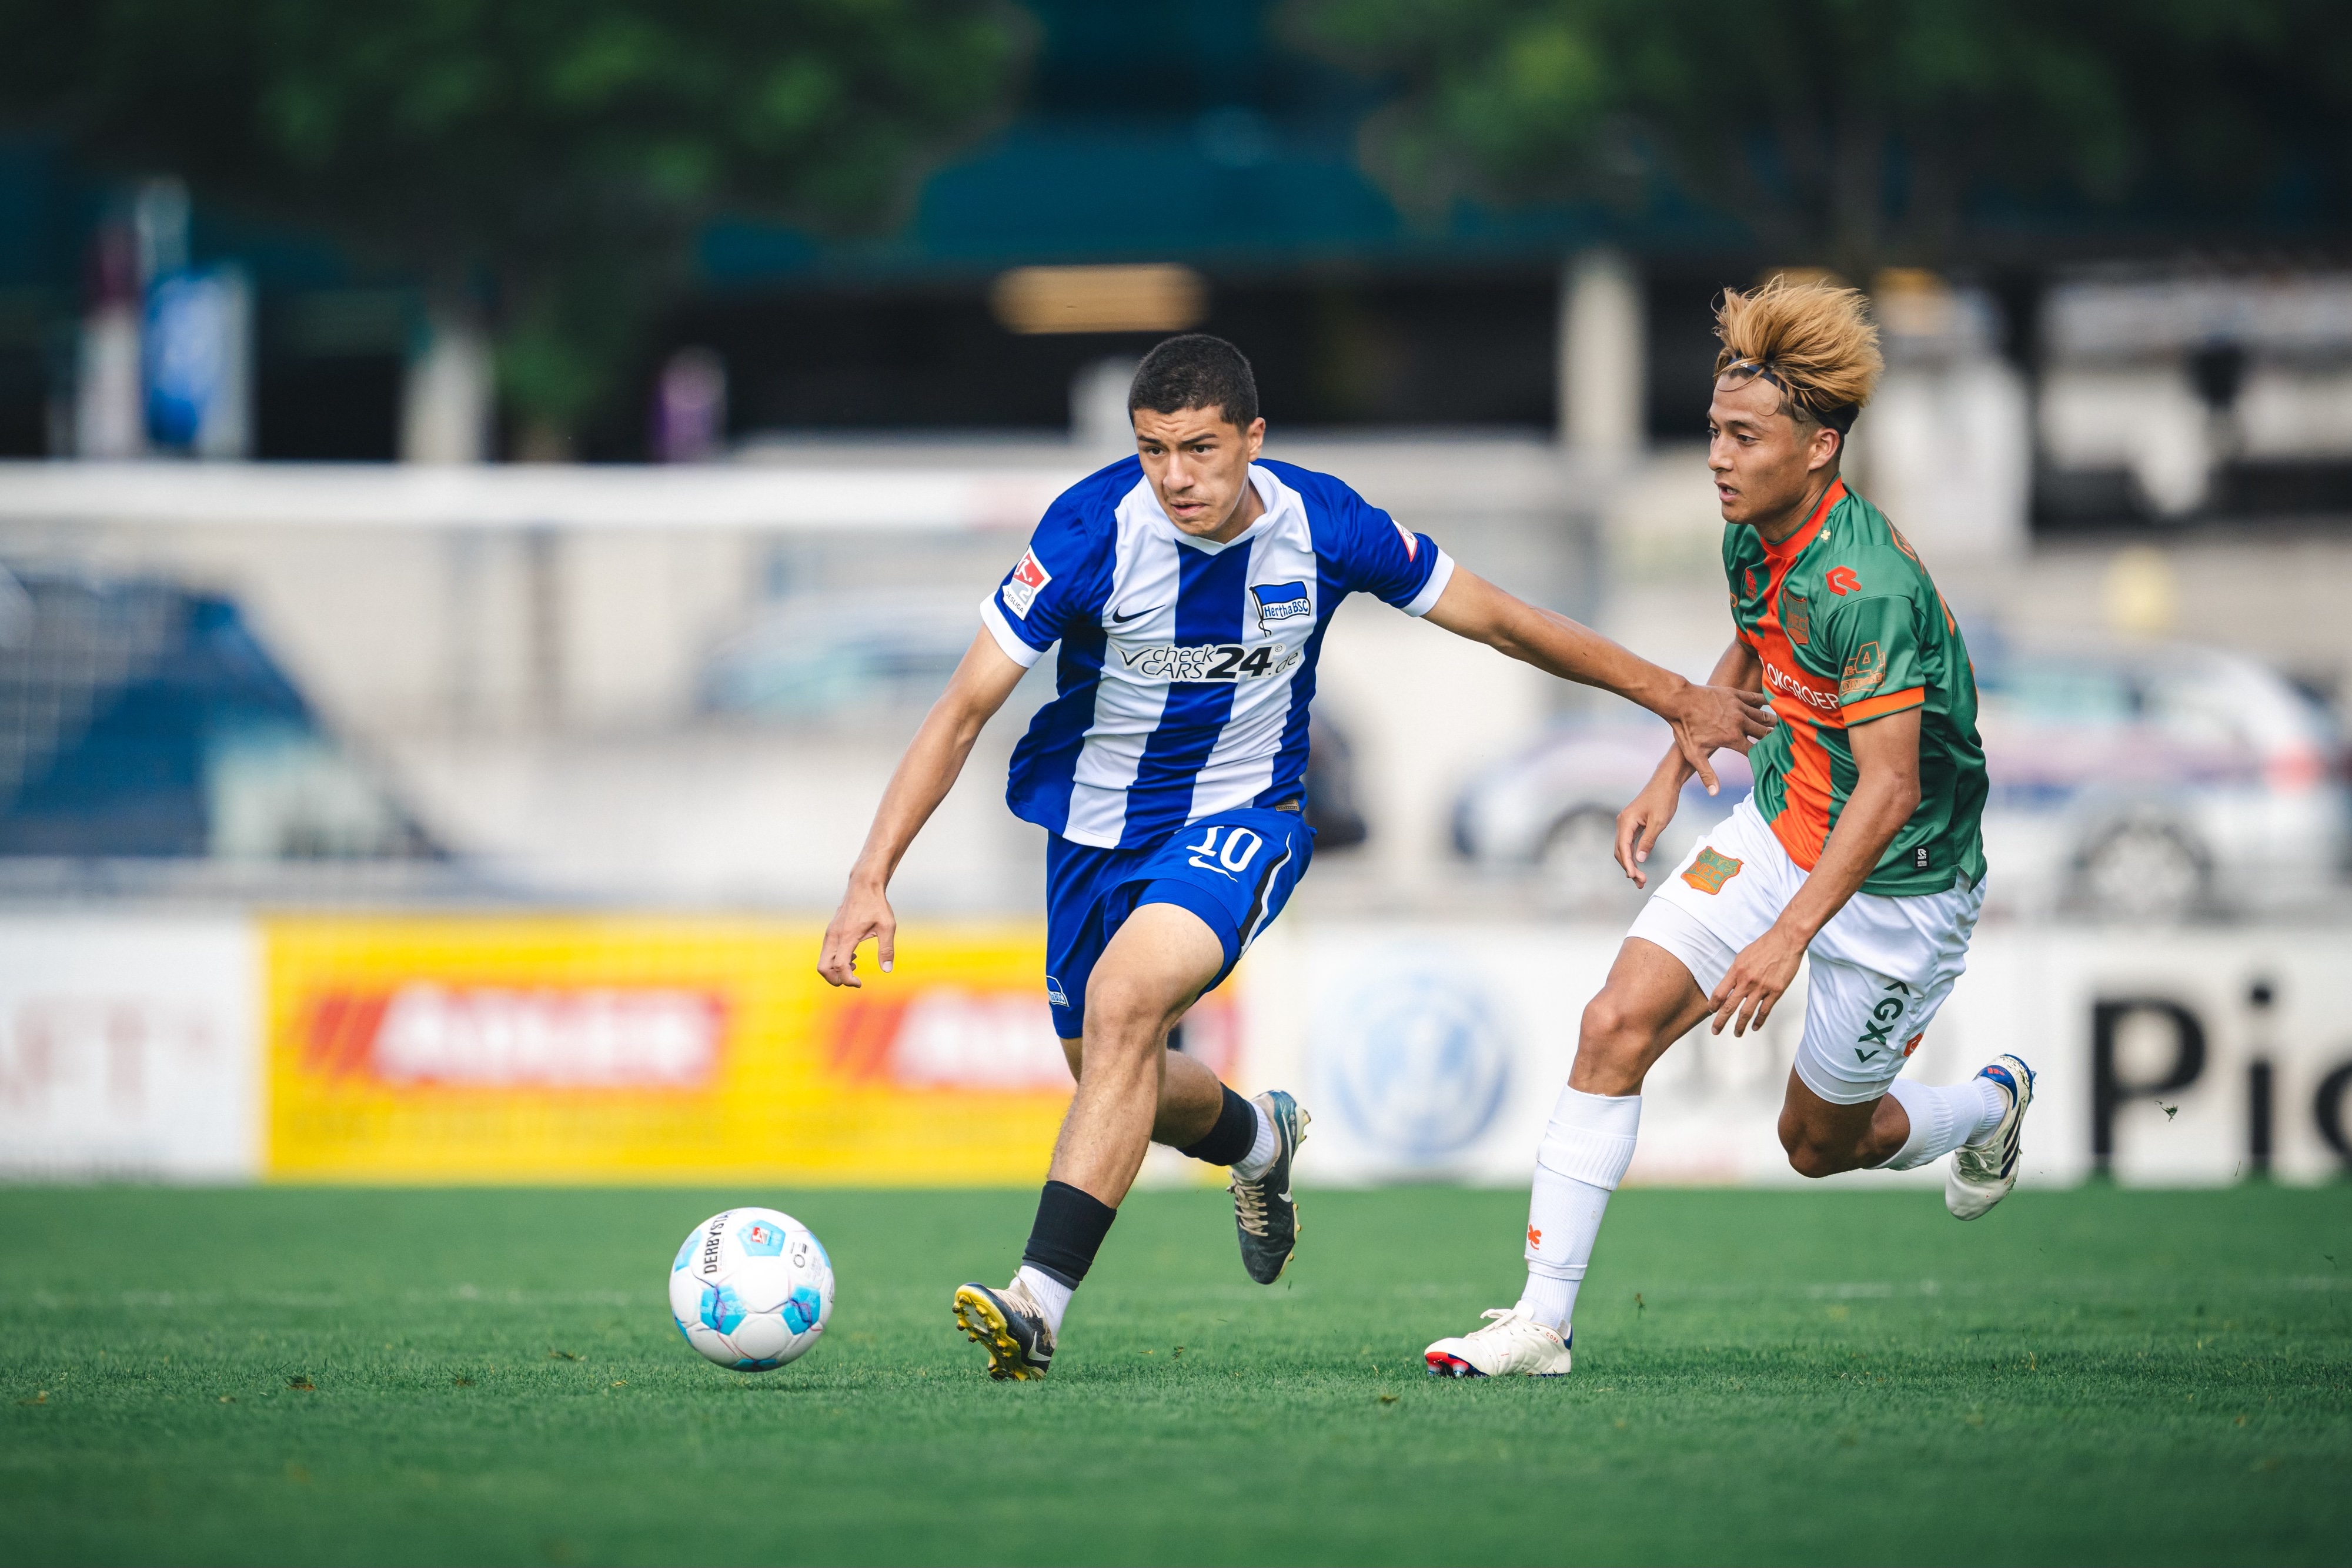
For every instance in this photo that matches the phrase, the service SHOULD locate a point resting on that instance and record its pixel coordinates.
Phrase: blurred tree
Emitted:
(1854, 132)
(542, 163)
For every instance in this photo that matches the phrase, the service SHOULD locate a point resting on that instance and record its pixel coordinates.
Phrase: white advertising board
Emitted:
(1432, 1052)
(129, 1048)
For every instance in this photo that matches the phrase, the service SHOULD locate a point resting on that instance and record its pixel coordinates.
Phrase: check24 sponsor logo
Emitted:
(1209, 660)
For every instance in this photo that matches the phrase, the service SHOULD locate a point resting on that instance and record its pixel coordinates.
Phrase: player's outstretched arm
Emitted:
(1640, 824)
(1885, 793)
(977, 689)
(1706, 719)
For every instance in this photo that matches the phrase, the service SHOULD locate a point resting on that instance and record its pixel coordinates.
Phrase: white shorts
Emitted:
(1879, 969)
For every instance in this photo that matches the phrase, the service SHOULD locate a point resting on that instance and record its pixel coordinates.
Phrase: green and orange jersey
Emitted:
(1849, 628)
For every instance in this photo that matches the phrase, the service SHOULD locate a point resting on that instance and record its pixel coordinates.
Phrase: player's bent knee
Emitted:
(1125, 1018)
(1611, 1047)
(1815, 1161)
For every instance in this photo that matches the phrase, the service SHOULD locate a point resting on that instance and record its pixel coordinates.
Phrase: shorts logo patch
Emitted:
(1885, 1014)
(1535, 1237)
(1913, 1044)
(1711, 871)
(1054, 994)
(1842, 582)
(1029, 577)
(1796, 616)
(1280, 601)
(1863, 673)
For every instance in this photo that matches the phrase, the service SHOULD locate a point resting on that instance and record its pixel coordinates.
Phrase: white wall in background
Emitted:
(130, 1048)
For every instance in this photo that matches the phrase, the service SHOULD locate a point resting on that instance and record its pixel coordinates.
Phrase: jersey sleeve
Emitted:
(1379, 556)
(1873, 645)
(1053, 586)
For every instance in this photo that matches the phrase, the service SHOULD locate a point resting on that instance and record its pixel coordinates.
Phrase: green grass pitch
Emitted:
(306, 1375)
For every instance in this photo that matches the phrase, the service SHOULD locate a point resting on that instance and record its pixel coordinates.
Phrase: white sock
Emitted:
(1943, 1118)
(1051, 1294)
(1260, 1159)
(1996, 1106)
(1583, 1156)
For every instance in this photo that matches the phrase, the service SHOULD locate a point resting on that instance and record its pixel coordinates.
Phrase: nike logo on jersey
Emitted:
(1123, 620)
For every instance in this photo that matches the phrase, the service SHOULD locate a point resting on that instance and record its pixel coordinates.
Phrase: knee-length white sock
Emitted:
(1944, 1117)
(1583, 1156)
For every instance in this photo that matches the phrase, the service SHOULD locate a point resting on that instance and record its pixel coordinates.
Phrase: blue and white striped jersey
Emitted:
(1186, 667)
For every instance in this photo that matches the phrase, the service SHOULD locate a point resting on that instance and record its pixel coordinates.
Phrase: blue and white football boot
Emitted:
(1981, 1175)
(1512, 1344)
(1011, 1326)
(1265, 1212)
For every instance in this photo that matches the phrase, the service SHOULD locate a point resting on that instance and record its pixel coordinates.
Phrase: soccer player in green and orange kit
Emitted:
(1859, 848)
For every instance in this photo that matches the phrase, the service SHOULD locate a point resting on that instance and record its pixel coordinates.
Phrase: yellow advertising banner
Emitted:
(561, 1048)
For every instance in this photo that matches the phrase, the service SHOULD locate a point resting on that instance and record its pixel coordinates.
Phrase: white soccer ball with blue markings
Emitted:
(751, 1289)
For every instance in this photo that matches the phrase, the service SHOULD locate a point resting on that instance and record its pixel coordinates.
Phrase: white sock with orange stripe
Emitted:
(1583, 1156)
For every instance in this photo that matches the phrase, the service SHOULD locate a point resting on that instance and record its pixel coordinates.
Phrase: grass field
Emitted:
(320, 1376)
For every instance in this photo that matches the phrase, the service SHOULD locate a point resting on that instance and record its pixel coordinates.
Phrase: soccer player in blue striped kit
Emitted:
(1189, 587)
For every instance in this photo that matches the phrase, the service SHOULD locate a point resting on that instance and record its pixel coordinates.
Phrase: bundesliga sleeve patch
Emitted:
(1412, 542)
(1021, 588)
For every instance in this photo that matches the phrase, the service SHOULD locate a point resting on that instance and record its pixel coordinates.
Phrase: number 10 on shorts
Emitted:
(1241, 846)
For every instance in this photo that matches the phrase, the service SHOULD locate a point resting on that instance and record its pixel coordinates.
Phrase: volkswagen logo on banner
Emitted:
(1414, 1061)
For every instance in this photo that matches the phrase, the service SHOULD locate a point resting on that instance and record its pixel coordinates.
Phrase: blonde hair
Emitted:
(1814, 341)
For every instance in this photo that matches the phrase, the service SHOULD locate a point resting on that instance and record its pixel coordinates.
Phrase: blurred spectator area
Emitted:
(691, 683)
(2181, 396)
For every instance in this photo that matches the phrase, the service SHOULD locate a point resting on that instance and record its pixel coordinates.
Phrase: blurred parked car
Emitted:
(142, 719)
(2155, 783)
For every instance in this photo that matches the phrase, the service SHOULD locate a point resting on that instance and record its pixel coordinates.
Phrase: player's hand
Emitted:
(864, 916)
(1639, 824)
(1757, 979)
(1717, 719)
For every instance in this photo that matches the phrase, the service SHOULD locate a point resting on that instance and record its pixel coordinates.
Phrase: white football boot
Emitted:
(1981, 1175)
(1512, 1344)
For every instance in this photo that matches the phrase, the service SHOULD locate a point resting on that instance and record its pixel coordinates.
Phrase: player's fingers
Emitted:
(1699, 758)
(1628, 839)
(886, 940)
(1726, 997)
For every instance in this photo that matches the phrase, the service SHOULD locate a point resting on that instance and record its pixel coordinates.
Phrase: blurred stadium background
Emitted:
(488, 489)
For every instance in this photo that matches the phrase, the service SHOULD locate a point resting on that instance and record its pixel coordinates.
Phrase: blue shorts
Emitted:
(1235, 870)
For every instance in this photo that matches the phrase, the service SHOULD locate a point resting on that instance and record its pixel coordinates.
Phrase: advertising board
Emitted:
(1436, 1052)
(548, 1048)
(126, 1047)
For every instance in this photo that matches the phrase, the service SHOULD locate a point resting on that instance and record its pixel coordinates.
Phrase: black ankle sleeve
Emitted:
(1069, 1231)
(1234, 1135)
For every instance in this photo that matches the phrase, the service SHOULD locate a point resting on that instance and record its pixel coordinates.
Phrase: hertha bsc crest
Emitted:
(1711, 871)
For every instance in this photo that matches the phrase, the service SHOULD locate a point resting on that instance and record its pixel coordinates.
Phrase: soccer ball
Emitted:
(751, 1289)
